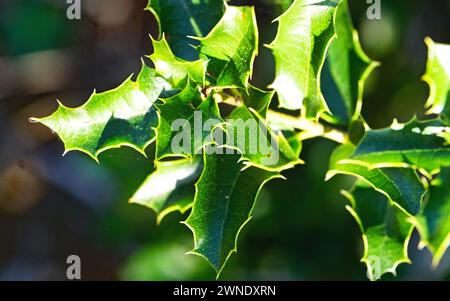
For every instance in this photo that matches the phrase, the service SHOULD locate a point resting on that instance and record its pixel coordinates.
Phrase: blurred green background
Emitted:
(53, 206)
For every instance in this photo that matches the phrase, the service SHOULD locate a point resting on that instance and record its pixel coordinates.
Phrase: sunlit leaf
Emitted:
(385, 231)
(170, 187)
(402, 186)
(179, 19)
(223, 205)
(418, 144)
(305, 32)
(124, 116)
(231, 47)
(345, 70)
(438, 78)
(173, 69)
(259, 145)
(434, 224)
(183, 120)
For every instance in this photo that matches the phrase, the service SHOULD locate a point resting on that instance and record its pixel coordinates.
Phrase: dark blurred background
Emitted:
(53, 206)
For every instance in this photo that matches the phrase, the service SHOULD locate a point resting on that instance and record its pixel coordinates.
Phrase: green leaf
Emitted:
(284, 4)
(385, 231)
(173, 69)
(181, 129)
(223, 205)
(231, 47)
(179, 19)
(346, 69)
(259, 145)
(419, 144)
(438, 78)
(124, 116)
(170, 187)
(402, 186)
(255, 98)
(305, 32)
(434, 224)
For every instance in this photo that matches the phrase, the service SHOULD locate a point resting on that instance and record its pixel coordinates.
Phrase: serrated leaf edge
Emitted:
(234, 250)
(365, 258)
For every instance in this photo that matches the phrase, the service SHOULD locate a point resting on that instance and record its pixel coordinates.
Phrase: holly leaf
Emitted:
(231, 47)
(385, 231)
(173, 69)
(419, 144)
(186, 123)
(260, 146)
(179, 19)
(305, 32)
(124, 116)
(401, 186)
(170, 187)
(346, 70)
(438, 78)
(223, 204)
(255, 98)
(434, 224)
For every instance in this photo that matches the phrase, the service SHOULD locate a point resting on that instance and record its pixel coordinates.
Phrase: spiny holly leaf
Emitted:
(255, 98)
(434, 224)
(124, 116)
(179, 19)
(223, 205)
(345, 70)
(384, 228)
(417, 143)
(170, 187)
(231, 47)
(305, 31)
(402, 186)
(183, 123)
(173, 69)
(260, 146)
(438, 78)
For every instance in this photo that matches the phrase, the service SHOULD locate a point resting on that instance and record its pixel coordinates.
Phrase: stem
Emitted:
(310, 129)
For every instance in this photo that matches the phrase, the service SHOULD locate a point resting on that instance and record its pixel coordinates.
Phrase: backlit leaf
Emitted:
(231, 47)
(124, 116)
(179, 19)
(305, 32)
(345, 70)
(385, 231)
(438, 78)
(173, 69)
(170, 187)
(434, 224)
(401, 185)
(223, 204)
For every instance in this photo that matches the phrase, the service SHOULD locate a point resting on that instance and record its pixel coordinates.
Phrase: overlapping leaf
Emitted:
(124, 116)
(174, 69)
(384, 228)
(179, 19)
(170, 187)
(231, 47)
(434, 224)
(260, 146)
(186, 123)
(223, 204)
(401, 185)
(419, 144)
(257, 99)
(345, 71)
(305, 32)
(438, 77)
